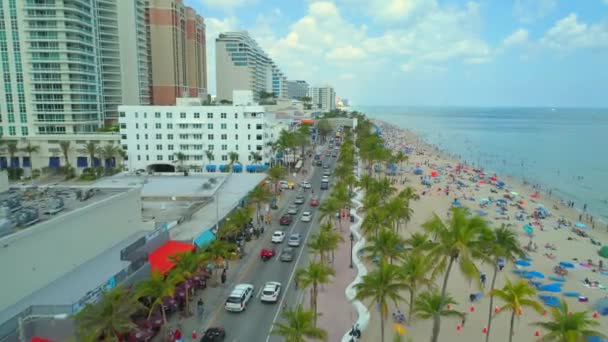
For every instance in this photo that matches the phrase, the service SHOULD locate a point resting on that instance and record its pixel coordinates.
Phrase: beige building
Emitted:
(177, 52)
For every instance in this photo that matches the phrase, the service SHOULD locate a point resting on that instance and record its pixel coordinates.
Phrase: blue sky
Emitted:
(430, 52)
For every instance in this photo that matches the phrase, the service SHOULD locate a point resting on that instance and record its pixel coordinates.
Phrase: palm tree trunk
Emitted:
(164, 327)
(382, 327)
(412, 293)
(314, 296)
(437, 318)
(511, 329)
(491, 305)
(187, 306)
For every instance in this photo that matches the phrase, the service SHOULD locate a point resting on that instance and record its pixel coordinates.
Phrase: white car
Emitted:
(306, 216)
(284, 184)
(306, 185)
(325, 179)
(278, 236)
(240, 295)
(271, 292)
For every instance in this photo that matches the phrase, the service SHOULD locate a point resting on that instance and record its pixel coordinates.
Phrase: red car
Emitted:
(266, 254)
(285, 220)
(314, 202)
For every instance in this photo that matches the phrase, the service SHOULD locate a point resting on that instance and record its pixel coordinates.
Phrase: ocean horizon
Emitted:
(561, 149)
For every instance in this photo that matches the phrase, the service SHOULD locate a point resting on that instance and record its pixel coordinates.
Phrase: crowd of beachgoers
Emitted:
(562, 244)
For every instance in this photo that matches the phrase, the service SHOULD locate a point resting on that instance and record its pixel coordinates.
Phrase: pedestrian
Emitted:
(464, 319)
(194, 335)
(223, 276)
(483, 279)
(200, 307)
(177, 335)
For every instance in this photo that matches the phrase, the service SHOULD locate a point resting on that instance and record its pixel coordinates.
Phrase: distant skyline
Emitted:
(550, 53)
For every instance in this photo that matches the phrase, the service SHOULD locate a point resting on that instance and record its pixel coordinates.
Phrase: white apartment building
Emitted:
(153, 136)
(242, 65)
(323, 97)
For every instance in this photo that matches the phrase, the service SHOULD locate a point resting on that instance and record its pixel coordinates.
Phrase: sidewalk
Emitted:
(337, 315)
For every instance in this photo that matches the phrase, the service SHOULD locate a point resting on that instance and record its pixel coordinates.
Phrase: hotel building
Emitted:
(323, 97)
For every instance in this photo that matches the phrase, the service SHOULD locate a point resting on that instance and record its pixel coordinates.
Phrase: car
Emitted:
(287, 254)
(300, 199)
(334, 155)
(306, 216)
(326, 173)
(284, 184)
(285, 220)
(306, 185)
(278, 236)
(238, 298)
(271, 291)
(267, 253)
(314, 202)
(214, 334)
(293, 209)
(327, 154)
(324, 185)
(325, 179)
(326, 166)
(319, 162)
(294, 240)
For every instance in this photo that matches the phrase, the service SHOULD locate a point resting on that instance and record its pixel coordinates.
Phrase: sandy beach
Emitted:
(566, 245)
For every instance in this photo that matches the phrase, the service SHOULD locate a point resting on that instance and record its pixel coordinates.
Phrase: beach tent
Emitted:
(159, 259)
(603, 252)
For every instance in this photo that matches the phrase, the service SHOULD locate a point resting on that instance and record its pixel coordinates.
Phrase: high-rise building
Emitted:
(177, 52)
(297, 89)
(242, 65)
(323, 97)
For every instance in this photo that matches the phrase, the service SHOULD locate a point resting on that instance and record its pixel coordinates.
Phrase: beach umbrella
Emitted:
(580, 225)
(554, 287)
(535, 274)
(528, 229)
(500, 183)
(434, 173)
(603, 252)
(523, 263)
(566, 264)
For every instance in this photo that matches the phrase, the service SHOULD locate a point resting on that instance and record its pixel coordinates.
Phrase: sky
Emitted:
(430, 52)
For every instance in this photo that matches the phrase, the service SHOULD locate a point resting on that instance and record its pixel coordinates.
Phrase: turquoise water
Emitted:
(564, 150)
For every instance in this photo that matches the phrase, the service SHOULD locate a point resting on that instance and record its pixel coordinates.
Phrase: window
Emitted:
(12, 130)
(198, 157)
(145, 116)
(169, 126)
(123, 136)
(138, 147)
(197, 147)
(248, 126)
(145, 126)
(147, 157)
(169, 136)
(159, 147)
(138, 157)
(223, 115)
(224, 147)
(209, 115)
(169, 115)
(209, 126)
(137, 136)
(182, 126)
(157, 115)
(236, 126)
(197, 136)
(258, 137)
(224, 126)
(159, 136)
(248, 147)
(146, 136)
(258, 147)
(209, 136)
(159, 157)
(157, 125)
(182, 115)
(170, 147)
(236, 115)
(171, 157)
(123, 125)
(224, 136)
(258, 126)
(146, 147)
(136, 126)
(197, 115)
(248, 136)
(136, 115)
(24, 131)
(183, 136)
(236, 137)
(197, 126)
(210, 147)
(224, 157)
(236, 147)
(122, 114)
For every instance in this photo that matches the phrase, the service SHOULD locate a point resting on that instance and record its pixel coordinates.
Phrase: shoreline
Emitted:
(559, 197)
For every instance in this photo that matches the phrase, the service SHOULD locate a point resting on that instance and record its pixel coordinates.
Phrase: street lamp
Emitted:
(352, 238)
(31, 318)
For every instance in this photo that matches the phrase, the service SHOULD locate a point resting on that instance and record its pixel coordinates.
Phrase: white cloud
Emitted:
(227, 5)
(346, 53)
(568, 34)
(516, 38)
(214, 28)
(528, 11)
(390, 11)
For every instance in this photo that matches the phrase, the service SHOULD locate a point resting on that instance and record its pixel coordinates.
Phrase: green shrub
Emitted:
(14, 173)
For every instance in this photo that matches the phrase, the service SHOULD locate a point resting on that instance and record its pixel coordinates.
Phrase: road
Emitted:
(254, 324)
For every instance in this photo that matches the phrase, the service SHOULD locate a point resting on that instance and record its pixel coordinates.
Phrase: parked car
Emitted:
(278, 236)
(285, 220)
(271, 291)
(287, 254)
(240, 295)
(294, 240)
(214, 334)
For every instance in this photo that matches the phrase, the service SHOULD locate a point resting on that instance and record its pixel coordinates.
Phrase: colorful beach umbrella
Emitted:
(523, 263)
(528, 229)
(535, 274)
(566, 264)
(553, 287)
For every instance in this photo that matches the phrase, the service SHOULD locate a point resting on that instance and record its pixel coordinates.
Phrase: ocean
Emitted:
(561, 149)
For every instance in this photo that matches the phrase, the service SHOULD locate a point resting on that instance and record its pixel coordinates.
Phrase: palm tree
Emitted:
(299, 326)
(399, 211)
(502, 243)
(414, 273)
(217, 252)
(209, 155)
(276, 174)
(157, 288)
(373, 221)
(329, 208)
(516, 296)
(387, 246)
(326, 240)
(29, 149)
(256, 157)
(431, 304)
(181, 157)
(12, 151)
(381, 286)
(312, 276)
(91, 149)
(569, 326)
(186, 266)
(260, 194)
(65, 150)
(108, 152)
(234, 159)
(457, 241)
(418, 242)
(110, 317)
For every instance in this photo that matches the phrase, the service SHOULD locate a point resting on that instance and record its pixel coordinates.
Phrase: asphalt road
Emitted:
(255, 323)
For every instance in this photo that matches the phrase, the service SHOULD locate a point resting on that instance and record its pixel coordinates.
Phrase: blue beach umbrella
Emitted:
(566, 264)
(523, 263)
(528, 229)
(535, 274)
(554, 287)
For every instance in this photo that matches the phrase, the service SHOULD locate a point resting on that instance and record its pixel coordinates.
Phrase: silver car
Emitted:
(287, 254)
(299, 199)
(293, 209)
(294, 240)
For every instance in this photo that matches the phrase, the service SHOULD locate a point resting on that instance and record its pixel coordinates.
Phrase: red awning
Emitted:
(39, 339)
(159, 259)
